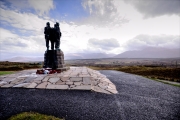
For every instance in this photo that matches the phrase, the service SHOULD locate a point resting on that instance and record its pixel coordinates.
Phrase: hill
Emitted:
(151, 52)
(87, 55)
(25, 59)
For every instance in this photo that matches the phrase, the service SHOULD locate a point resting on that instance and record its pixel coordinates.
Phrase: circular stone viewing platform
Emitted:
(76, 78)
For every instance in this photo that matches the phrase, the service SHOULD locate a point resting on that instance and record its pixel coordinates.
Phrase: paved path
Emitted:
(76, 78)
(138, 99)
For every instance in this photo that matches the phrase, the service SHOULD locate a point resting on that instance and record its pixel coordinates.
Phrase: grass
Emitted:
(33, 116)
(18, 67)
(6, 72)
(165, 82)
(162, 73)
(14, 66)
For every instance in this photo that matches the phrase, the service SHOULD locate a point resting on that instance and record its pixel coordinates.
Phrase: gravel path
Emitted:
(139, 99)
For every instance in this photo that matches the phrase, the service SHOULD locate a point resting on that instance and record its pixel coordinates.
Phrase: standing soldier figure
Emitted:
(58, 33)
(53, 37)
(47, 34)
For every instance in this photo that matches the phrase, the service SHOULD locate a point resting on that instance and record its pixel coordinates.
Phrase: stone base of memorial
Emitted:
(53, 62)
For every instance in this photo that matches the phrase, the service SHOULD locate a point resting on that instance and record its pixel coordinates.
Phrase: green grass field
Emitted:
(6, 72)
(33, 116)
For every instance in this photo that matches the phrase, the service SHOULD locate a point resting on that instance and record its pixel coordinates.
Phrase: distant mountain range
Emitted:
(67, 57)
(88, 55)
(145, 53)
(25, 59)
(151, 52)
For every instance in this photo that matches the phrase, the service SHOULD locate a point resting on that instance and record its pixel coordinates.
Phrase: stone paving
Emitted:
(76, 78)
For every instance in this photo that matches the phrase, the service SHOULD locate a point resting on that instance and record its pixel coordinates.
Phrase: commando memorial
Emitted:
(54, 57)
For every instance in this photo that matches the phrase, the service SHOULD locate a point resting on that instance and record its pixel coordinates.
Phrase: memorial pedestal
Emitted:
(54, 60)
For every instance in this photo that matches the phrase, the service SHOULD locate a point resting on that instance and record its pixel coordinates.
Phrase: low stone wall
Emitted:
(76, 78)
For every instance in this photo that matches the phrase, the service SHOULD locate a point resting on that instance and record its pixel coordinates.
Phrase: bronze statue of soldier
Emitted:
(58, 36)
(53, 35)
(47, 30)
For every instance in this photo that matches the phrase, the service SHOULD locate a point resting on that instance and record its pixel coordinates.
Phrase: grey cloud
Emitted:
(37, 5)
(23, 21)
(104, 44)
(153, 8)
(2, 5)
(42, 7)
(143, 41)
(10, 43)
(19, 44)
(8, 54)
(12, 48)
(102, 13)
(16, 4)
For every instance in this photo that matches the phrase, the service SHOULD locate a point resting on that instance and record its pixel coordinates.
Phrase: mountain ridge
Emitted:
(150, 52)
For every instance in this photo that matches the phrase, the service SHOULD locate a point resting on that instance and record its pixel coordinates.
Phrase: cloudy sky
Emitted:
(88, 26)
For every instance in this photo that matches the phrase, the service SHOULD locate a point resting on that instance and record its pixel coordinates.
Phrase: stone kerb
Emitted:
(76, 78)
(101, 84)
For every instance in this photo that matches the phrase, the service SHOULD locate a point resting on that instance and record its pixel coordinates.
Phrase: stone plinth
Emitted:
(60, 58)
(76, 78)
(54, 59)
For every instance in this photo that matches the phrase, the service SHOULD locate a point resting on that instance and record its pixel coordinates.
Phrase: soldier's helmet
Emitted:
(57, 23)
(48, 23)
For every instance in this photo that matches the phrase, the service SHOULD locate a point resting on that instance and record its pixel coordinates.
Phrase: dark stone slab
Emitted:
(54, 59)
